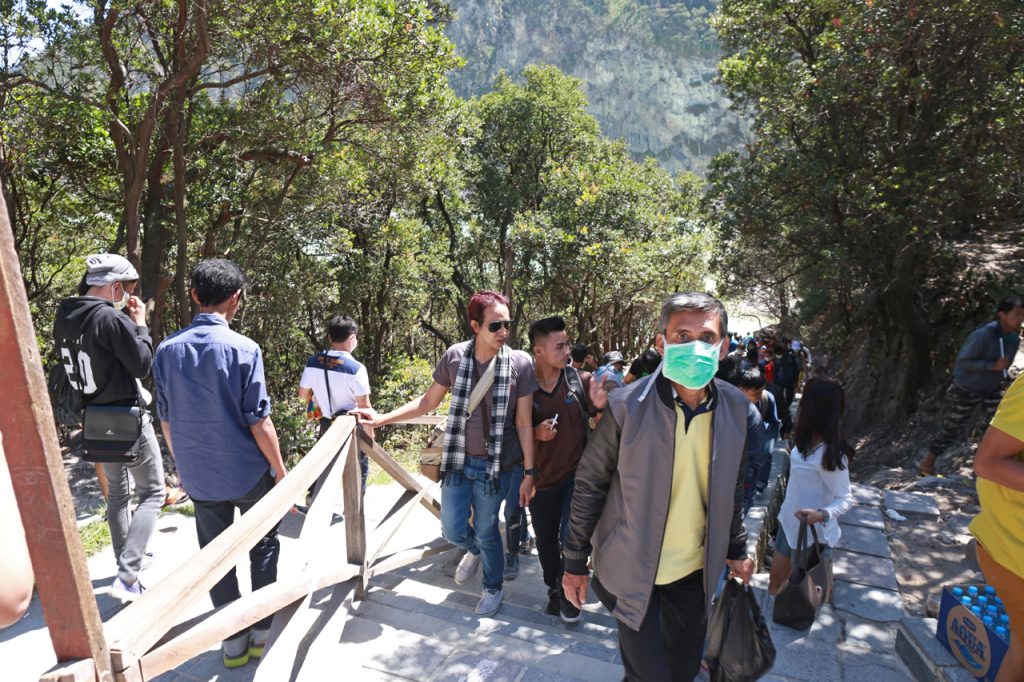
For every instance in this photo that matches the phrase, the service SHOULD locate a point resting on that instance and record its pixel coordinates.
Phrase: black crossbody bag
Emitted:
(109, 432)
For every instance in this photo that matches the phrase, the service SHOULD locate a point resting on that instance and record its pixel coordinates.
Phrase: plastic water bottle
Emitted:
(976, 610)
(989, 590)
(999, 602)
(993, 611)
(1004, 619)
(957, 592)
(982, 601)
(987, 620)
(972, 591)
(1002, 633)
(966, 601)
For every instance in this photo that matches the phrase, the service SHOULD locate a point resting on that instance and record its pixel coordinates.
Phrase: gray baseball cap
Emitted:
(107, 268)
(612, 356)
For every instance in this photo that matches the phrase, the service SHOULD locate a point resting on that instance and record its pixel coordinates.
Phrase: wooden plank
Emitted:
(207, 630)
(393, 525)
(427, 420)
(355, 519)
(141, 624)
(395, 470)
(83, 670)
(37, 472)
(408, 556)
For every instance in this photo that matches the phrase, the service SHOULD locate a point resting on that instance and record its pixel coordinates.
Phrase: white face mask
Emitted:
(123, 301)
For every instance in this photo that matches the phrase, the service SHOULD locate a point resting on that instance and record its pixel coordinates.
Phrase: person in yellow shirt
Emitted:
(999, 527)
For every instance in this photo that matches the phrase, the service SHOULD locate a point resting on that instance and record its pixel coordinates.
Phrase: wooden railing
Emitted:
(140, 638)
(149, 636)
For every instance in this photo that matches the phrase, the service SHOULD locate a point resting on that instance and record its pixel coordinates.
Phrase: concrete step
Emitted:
(404, 627)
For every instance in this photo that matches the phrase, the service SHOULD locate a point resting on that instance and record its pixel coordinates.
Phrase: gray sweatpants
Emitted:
(130, 532)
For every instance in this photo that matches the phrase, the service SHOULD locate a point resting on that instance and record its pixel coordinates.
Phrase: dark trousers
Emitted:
(668, 646)
(213, 518)
(550, 511)
(364, 461)
(959, 404)
(788, 395)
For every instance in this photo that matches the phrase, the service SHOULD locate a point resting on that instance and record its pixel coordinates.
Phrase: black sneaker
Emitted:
(554, 601)
(568, 612)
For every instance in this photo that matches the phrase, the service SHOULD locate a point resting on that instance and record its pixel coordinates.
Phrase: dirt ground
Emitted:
(931, 552)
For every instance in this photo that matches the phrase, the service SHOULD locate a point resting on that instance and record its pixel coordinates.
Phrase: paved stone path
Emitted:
(416, 624)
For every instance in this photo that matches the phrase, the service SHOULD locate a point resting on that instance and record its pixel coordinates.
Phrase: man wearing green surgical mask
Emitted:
(661, 482)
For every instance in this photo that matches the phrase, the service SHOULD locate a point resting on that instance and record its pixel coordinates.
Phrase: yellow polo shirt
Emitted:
(999, 526)
(682, 548)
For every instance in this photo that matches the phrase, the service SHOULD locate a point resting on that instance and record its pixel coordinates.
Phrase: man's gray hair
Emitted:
(694, 300)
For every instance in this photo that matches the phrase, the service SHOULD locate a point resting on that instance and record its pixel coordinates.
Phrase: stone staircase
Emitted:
(418, 624)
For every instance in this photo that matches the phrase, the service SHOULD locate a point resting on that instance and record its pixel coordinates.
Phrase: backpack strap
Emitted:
(576, 392)
(327, 382)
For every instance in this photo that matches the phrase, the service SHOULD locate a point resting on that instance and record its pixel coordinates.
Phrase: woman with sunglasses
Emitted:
(488, 439)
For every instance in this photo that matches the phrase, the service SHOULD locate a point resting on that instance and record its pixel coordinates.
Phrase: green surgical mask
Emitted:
(691, 364)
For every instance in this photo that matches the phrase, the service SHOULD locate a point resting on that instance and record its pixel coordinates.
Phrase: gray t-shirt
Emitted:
(524, 383)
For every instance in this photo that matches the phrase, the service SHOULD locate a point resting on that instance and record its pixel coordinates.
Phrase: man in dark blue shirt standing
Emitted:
(978, 376)
(215, 414)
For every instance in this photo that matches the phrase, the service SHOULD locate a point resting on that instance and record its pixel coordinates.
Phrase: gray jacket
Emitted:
(624, 484)
(973, 369)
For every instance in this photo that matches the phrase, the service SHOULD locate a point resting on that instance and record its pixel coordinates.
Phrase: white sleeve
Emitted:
(838, 483)
(307, 377)
(363, 381)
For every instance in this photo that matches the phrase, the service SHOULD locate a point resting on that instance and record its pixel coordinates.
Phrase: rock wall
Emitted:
(647, 67)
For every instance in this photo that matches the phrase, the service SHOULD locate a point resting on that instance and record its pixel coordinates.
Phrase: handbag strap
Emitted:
(802, 550)
(327, 382)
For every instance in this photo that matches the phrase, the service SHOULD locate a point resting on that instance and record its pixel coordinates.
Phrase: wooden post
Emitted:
(355, 519)
(40, 485)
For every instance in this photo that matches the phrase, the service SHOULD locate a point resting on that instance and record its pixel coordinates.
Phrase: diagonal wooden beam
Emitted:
(37, 471)
(139, 626)
(395, 470)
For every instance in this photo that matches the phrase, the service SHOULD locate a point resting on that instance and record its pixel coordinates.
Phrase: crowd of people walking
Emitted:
(636, 475)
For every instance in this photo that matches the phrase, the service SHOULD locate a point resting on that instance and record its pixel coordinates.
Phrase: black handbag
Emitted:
(109, 432)
(809, 584)
(739, 645)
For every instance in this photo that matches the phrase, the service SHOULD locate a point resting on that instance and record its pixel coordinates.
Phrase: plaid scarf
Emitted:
(455, 431)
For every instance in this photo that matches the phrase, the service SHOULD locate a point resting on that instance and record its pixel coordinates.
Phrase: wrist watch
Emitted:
(532, 471)
(824, 512)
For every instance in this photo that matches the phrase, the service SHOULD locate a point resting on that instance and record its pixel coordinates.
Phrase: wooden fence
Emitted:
(150, 636)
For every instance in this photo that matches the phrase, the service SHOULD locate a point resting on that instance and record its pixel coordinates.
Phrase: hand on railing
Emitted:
(367, 416)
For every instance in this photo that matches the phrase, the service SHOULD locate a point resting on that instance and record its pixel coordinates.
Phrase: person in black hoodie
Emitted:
(106, 349)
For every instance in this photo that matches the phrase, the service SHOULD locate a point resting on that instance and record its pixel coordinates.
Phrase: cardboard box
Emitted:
(978, 649)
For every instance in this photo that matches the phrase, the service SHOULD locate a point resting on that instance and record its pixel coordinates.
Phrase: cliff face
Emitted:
(646, 65)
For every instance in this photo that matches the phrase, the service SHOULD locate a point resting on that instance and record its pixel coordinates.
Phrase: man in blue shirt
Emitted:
(215, 415)
(978, 375)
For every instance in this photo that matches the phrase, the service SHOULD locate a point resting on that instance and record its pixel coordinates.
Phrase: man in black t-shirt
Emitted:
(563, 405)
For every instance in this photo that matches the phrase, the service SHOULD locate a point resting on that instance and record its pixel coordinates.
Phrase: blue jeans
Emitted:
(471, 491)
(214, 517)
(515, 516)
(757, 463)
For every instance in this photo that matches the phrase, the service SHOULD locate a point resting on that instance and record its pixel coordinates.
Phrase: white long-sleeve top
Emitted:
(811, 486)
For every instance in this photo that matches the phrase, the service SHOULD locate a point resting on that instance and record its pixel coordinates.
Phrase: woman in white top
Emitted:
(819, 475)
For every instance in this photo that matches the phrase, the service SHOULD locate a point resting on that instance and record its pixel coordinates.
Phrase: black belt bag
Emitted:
(110, 433)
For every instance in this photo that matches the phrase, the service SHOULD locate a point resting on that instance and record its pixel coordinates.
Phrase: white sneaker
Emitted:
(467, 567)
(125, 592)
(490, 602)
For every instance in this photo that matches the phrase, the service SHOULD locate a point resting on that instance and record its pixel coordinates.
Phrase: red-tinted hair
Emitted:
(481, 301)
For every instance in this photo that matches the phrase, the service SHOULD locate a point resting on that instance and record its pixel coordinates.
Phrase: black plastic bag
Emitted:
(739, 646)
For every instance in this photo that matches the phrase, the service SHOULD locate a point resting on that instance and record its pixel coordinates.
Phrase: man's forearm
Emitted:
(265, 435)
(166, 428)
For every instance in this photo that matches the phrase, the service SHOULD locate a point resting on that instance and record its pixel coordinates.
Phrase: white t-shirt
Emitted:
(811, 486)
(348, 379)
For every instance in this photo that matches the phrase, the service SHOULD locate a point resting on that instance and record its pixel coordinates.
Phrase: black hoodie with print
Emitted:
(113, 352)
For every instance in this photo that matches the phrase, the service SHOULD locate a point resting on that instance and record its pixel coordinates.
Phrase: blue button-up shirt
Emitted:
(210, 389)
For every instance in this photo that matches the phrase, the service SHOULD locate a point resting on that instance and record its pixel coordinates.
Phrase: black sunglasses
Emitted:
(493, 327)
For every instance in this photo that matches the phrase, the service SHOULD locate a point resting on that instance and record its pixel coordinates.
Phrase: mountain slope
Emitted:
(647, 67)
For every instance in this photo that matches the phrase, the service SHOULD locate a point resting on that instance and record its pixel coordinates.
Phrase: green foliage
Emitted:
(886, 132)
